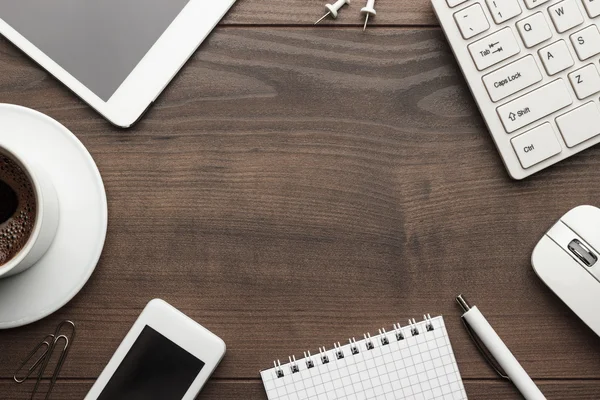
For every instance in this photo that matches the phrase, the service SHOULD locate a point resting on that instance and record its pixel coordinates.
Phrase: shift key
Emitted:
(534, 105)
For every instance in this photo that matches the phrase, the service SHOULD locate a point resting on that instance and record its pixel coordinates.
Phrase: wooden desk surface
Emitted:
(297, 185)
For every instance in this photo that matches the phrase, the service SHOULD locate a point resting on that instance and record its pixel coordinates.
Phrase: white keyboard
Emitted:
(532, 66)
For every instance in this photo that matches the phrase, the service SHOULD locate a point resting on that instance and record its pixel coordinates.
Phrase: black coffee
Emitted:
(17, 209)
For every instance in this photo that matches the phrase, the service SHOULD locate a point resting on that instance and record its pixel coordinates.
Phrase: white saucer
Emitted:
(74, 253)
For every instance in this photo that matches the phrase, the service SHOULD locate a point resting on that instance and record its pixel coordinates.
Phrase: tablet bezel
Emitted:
(152, 74)
(178, 328)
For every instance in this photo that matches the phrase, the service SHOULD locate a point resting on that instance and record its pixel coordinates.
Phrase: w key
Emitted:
(565, 15)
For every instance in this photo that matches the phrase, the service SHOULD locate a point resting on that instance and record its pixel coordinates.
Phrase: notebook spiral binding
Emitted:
(354, 349)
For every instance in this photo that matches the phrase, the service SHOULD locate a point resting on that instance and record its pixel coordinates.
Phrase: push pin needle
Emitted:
(333, 9)
(368, 10)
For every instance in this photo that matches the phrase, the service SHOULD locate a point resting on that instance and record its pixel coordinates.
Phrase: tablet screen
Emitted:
(99, 42)
(155, 368)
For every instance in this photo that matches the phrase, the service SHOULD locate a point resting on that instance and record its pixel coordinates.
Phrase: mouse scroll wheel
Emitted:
(585, 255)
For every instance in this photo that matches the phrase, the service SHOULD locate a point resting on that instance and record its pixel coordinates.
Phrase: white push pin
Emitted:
(368, 10)
(333, 9)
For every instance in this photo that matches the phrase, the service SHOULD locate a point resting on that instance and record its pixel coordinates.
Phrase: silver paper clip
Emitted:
(42, 353)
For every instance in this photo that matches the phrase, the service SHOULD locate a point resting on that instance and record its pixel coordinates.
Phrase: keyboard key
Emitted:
(565, 15)
(536, 145)
(531, 64)
(471, 21)
(512, 78)
(585, 81)
(592, 7)
(556, 57)
(494, 48)
(503, 10)
(579, 125)
(534, 105)
(454, 3)
(586, 42)
(534, 30)
(534, 3)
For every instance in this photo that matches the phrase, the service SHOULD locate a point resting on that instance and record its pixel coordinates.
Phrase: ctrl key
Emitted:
(536, 145)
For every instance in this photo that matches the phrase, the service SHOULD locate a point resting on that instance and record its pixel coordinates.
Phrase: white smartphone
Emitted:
(165, 356)
(116, 55)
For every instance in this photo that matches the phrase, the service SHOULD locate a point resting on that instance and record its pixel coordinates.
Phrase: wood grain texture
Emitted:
(306, 12)
(253, 390)
(295, 187)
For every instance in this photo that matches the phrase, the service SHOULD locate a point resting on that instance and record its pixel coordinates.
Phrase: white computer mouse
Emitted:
(566, 259)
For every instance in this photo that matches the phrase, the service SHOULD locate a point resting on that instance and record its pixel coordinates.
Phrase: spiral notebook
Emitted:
(411, 362)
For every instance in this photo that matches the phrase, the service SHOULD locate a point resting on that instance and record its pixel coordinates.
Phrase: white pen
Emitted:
(479, 328)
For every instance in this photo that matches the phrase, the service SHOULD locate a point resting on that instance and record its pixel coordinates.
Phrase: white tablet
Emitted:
(116, 55)
(165, 356)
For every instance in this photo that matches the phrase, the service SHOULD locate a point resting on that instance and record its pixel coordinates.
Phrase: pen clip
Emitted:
(484, 352)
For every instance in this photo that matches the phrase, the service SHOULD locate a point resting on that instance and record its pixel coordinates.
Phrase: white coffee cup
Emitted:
(47, 213)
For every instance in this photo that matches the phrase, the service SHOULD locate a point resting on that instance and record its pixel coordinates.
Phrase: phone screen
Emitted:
(155, 368)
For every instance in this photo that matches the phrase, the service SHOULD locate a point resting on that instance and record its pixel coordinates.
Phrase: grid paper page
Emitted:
(417, 367)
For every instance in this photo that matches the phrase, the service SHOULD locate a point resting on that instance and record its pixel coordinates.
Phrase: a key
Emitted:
(503, 10)
(565, 15)
(534, 30)
(454, 3)
(579, 125)
(534, 3)
(536, 145)
(556, 57)
(586, 42)
(534, 105)
(592, 7)
(512, 78)
(471, 21)
(585, 81)
(494, 48)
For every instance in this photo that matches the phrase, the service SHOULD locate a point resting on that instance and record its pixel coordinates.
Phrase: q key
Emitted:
(534, 30)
